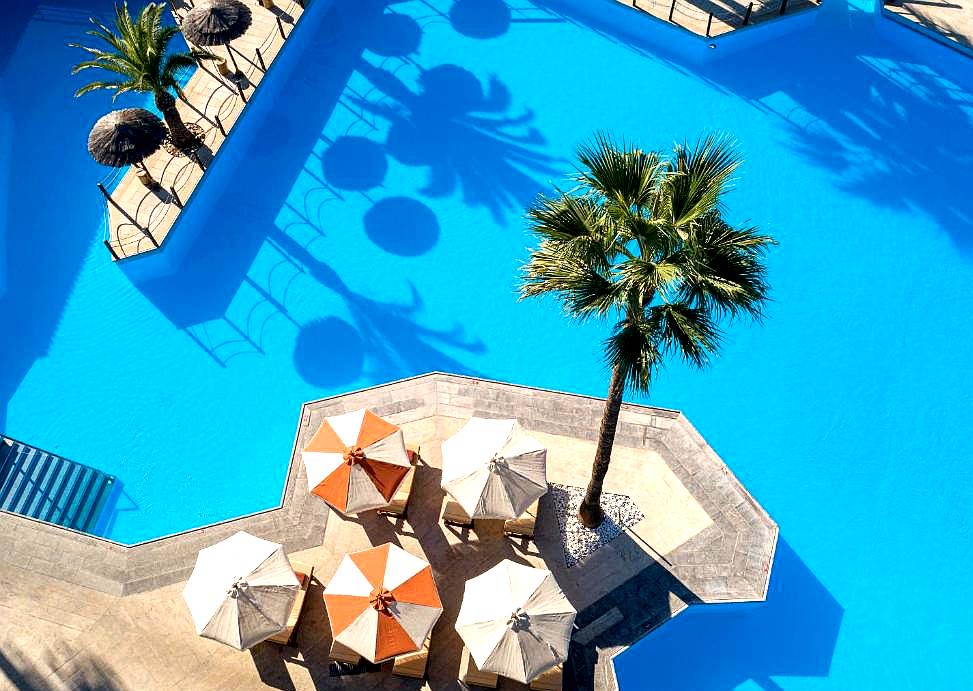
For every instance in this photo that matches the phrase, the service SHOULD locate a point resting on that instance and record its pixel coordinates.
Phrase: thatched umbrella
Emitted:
(126, 137)
(216, 23)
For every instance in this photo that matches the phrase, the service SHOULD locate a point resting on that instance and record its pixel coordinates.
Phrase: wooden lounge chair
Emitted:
(453, 513)
(412, 665)
(523, 526)
(304, 573)
(399, 505)
(551, 680)
(342, 653)
(470, 675)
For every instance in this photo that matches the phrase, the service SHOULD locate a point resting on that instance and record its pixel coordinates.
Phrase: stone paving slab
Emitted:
(76, 608)
(949, 21)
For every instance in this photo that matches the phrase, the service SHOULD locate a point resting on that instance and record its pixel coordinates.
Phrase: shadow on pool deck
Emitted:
(84, 672)
(793, 634)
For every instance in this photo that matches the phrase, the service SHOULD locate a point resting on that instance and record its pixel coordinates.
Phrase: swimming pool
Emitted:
(846, 414)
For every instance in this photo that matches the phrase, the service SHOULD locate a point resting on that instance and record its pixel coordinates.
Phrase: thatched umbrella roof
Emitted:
(126, 136)
(215, 22)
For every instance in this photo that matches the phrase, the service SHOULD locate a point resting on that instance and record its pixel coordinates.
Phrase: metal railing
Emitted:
(675, 10)
(135, 234)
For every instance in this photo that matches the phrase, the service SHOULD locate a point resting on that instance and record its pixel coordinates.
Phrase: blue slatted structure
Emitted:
(39, 484)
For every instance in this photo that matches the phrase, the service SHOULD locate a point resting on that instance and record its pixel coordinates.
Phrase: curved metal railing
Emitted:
(733, 17)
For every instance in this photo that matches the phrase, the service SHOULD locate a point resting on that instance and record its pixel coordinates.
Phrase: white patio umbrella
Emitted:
(241, 590)
(515, 621)
(493, 468)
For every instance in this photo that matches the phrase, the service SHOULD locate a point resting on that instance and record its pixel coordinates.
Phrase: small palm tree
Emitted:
(642, 241)
(138, 52)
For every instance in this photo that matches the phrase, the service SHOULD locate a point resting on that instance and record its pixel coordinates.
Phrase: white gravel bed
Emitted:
(579, 542)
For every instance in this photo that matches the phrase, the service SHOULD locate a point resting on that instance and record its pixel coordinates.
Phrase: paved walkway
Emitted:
(703, 540)
(727, 15)
(952, 20)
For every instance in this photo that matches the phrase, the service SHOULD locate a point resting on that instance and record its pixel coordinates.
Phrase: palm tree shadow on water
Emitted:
(468, 141)
(463, 134)
(385, 340)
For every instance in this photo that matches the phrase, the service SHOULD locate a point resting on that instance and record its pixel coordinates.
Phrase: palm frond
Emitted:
(699, 176)
(136, 48)
(621, 174)
(175, 63)
(631, 346)
(685, 331)
(582, 288)
(725, 271)
(119, 86)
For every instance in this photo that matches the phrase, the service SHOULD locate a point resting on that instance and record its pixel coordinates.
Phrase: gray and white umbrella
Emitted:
(516, 621)
(241, 591)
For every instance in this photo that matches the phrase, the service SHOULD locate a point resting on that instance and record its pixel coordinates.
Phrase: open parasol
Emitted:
(126, 137)
(216, 23)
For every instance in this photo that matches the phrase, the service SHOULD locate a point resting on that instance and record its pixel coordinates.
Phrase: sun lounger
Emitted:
(413, 665)
(453, 513)
(303, 572)
(399, 505)
(342, 653)
(471, 676)
(524, 525)
(551, 680)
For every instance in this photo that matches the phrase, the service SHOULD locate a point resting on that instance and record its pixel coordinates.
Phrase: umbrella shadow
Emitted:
(480, 18)
(463, 134)
(392, 341)
(270, 665)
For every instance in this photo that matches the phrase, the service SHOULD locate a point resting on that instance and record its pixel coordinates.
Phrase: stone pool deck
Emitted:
(949, 21)
(78, 610)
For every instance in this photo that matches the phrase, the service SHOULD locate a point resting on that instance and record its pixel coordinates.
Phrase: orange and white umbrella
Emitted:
(382, 602)
(356, 461)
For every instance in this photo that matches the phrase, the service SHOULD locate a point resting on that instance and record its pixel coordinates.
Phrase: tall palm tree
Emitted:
(641, 240)
(138, 52)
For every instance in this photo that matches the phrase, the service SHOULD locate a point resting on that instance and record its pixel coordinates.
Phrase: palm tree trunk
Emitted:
(590, 513)
(180, 135)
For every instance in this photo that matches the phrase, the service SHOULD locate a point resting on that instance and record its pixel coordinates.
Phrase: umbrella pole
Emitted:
(144, 175)
(236, 70)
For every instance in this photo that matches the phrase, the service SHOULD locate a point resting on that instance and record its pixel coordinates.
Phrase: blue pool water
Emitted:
(365, 224)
